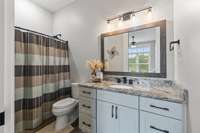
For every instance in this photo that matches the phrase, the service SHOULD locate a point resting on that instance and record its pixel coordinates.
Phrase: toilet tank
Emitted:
(75, 90)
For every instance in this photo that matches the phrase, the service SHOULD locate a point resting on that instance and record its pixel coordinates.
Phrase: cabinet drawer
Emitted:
(87, 92)
(151, 123)
(118, 98)
(87, 124)
(160, 107)
(88, 106)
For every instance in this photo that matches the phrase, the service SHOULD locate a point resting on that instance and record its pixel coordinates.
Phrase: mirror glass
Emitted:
(137, 51)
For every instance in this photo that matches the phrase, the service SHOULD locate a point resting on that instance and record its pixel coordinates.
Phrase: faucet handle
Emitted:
(130, 81)
(118, 80)
(124, 80)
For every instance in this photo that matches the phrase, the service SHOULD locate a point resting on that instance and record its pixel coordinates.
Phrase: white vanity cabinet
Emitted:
(164, 108)
(87, 110)
(157, 116)
(123, 113)
(106, 122)
(117, 113)
(152, 123)
(128, 120)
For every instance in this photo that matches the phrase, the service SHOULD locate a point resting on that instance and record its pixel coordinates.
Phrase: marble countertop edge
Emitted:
(170, 94)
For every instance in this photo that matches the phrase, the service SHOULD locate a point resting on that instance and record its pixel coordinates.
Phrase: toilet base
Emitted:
(61, 122)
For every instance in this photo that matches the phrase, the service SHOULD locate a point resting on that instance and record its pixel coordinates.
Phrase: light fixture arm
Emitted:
(127, 15)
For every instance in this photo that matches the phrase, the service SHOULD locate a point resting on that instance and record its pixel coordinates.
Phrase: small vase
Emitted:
(94, 77)
(93, 73)
(99, 75)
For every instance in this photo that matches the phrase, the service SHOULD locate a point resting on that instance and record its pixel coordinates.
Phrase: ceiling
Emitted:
(53, 5)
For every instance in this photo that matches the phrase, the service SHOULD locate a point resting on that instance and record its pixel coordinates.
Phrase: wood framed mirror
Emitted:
(138, 51)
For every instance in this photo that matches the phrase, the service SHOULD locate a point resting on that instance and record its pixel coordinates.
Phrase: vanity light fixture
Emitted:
(127, 16)
(120, 21)
(149, 12)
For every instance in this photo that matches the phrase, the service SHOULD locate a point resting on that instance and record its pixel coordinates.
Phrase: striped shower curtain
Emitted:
(41, 78)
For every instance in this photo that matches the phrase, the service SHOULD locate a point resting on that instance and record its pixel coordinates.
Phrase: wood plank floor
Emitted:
(51, 129)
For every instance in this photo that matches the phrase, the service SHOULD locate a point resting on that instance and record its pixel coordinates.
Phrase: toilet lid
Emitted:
(64, 103)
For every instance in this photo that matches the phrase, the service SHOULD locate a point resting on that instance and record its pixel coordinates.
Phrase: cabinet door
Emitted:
(128, 120)
(106, 122)
(151, 123)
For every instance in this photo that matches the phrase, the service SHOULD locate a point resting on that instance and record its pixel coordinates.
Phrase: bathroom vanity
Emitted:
(111, 108)
(147, 105)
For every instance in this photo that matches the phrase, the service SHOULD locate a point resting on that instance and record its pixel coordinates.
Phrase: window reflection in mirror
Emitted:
(137, 51)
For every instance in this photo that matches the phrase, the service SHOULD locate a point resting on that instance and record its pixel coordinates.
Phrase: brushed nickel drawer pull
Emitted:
(153, 106)
(112, 115)
(88, 125)
(85, 106)
(86, 92)
(161, 130)
(116, 112)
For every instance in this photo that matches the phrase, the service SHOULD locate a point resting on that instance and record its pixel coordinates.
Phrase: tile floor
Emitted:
(50, 129)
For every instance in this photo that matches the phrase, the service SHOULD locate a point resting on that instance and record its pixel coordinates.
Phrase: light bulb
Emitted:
(149, 12)
(120, 22)
(133, 46)
(133, 17)
(109, 28)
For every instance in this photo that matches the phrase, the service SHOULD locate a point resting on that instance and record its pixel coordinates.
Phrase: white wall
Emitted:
(83, 21)
(7, 64)
(1, 54)
(187, 29)
(31, 16)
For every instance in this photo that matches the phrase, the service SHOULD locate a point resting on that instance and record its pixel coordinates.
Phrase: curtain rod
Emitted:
(35, 32)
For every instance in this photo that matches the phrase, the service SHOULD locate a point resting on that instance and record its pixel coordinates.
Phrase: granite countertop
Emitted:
(171, 93)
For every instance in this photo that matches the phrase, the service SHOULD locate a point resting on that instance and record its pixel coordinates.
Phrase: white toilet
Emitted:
(63, 109)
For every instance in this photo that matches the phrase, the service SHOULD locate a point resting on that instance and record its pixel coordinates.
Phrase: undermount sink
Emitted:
(121, 87)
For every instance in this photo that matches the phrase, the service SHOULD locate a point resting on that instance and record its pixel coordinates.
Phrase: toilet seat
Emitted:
(66, 110)
(64, 103)
(64, 106)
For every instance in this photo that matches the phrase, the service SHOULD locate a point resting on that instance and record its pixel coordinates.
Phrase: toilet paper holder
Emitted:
(171, 46)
